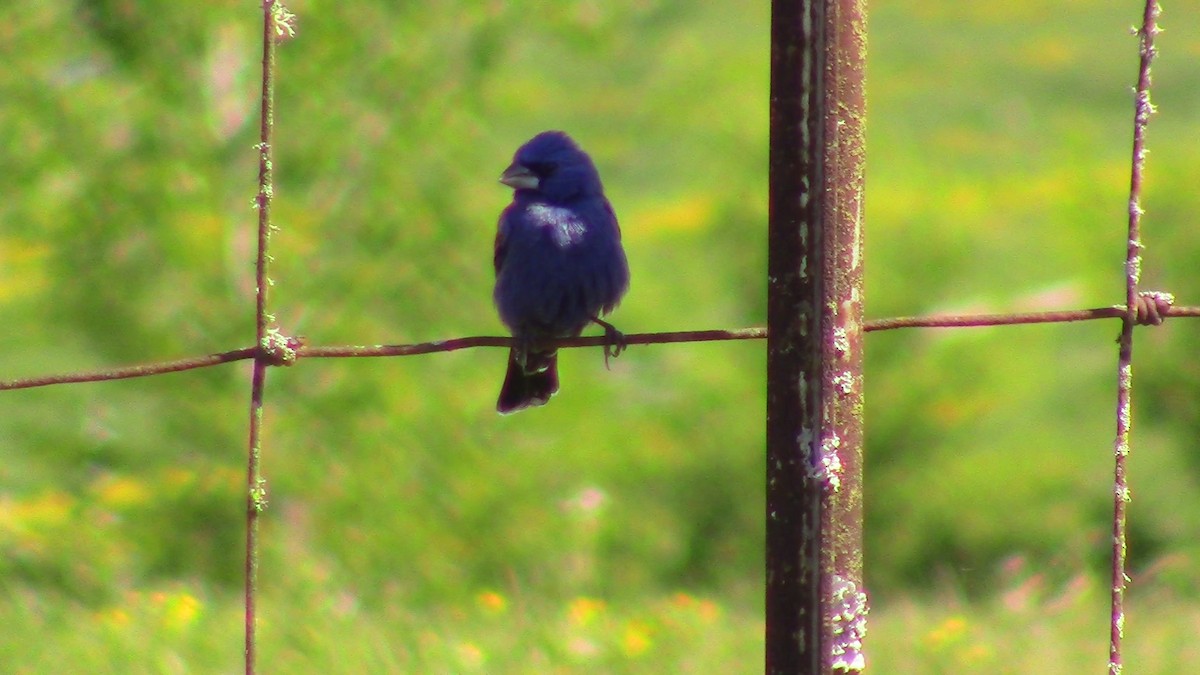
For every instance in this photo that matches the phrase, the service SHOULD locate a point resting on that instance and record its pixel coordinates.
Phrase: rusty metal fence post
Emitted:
(815, 606)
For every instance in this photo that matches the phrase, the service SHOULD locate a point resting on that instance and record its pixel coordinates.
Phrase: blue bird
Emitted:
(559, 263)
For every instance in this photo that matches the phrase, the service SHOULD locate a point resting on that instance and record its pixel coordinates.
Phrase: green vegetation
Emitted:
(618, 529)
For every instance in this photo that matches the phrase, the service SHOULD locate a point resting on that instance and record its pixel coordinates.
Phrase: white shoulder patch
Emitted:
(565, 226)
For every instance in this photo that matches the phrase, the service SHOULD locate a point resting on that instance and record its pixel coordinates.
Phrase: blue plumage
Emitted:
(558, 258)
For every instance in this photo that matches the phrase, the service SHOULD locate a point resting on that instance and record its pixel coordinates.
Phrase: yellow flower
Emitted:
(470, 655)
(947, 633)
(180, 610)
(636, 639)
(708, 611)
(492, 603)
(583, 611)
(120, 492)
(114, 617)
(681, 599)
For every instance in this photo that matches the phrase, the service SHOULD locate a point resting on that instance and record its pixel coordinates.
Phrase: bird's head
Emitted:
(552, 166)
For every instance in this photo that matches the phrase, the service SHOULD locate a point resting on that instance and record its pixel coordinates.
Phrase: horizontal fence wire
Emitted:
(1151, 309)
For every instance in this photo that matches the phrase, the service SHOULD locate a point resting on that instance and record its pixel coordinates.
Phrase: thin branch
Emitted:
(1133, 261)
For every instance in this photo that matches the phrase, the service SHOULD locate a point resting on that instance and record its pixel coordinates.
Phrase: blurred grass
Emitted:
(619, 528)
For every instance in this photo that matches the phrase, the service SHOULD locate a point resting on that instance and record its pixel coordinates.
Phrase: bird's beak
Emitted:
(518, 177)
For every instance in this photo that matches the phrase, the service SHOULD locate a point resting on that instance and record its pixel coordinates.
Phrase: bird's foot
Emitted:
(614, 340)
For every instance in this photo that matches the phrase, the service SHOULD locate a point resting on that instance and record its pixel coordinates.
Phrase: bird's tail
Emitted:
(528, 385)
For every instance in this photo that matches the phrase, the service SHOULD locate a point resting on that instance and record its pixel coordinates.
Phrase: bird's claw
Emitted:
(614, 340)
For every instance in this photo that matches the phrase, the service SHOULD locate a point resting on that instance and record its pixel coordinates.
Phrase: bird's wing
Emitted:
(501, 248)
(612, 218)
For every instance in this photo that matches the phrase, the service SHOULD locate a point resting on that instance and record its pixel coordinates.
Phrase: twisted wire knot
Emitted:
(1152, 308)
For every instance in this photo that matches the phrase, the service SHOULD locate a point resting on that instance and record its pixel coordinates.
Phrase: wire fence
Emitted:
(823, 33)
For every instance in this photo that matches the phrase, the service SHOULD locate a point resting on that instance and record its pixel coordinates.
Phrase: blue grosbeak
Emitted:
(559, 263)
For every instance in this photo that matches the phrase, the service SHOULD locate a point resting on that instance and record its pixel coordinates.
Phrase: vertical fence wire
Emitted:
(255, 492)
(1133, 262)
(814, 606)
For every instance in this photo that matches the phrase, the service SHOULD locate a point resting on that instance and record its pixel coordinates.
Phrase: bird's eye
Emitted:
(541, 169)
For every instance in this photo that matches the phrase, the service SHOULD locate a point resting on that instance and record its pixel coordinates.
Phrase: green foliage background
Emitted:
(618, 529)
